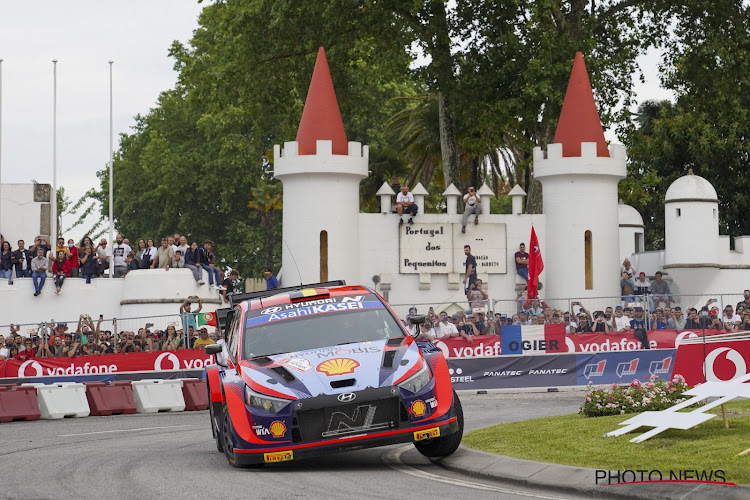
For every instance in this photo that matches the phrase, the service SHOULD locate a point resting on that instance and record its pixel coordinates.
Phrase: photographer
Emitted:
(638, 325)
(600, 322)
(75, 348)
(476, 296)
(188, 316)
(41, 347)
(129, 344)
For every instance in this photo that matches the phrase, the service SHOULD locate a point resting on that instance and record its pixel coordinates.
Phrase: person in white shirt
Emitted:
(627, 268)
(426, 333)
(405, 203)
(120, 251)
(620, 321)
(730, 320)
(472, 205)
(445, 328)
(182, 246)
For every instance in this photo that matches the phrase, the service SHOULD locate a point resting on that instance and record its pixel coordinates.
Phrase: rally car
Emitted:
(324, 368)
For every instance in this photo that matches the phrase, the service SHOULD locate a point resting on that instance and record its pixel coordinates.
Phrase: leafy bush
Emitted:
(654, 395)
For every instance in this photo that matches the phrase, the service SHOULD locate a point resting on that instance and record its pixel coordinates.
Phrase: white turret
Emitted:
(631, 231)
(321, 173)
(579, 175)
(691, 223)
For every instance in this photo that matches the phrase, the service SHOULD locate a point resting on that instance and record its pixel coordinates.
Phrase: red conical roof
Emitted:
(579, 118)
(321, 118)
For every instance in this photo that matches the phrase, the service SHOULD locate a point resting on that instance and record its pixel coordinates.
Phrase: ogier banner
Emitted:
(106, 364)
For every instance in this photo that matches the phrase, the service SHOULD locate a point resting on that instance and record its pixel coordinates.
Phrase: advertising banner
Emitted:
(187, 359)
(624, 367)
(725, 360)
(513, 371)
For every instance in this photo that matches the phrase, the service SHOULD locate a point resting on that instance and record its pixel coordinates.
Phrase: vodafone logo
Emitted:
(740, 367)
(171, 357)
(443, 347)
(37, 367)
(570, 344)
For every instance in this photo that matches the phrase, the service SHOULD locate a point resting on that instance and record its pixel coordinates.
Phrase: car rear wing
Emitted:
(224, 315)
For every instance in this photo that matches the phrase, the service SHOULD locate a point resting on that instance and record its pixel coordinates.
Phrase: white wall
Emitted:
(19, 213)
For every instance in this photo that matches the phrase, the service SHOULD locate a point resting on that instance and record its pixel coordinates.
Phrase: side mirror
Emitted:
(213, 349)
(418, 319)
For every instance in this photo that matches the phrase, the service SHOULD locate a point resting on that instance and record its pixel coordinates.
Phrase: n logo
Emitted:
(360, 420)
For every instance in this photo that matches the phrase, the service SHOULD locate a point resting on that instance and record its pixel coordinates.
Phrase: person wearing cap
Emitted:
(675, 320)
(583, 323)
(642, 289)
(620, 322)
(203, 340)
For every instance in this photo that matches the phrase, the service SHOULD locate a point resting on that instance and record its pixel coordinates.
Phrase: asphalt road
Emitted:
(173, 456)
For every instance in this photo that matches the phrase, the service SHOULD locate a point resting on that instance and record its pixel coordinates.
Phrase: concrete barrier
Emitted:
(110, 399)
(153, 395)
(18, 403)
(195, 393)
(62, 399)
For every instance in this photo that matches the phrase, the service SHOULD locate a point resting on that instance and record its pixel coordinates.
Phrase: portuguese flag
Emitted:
(203, 319)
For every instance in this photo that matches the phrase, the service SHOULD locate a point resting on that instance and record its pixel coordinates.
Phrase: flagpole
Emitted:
(111, 160)
(53, 221)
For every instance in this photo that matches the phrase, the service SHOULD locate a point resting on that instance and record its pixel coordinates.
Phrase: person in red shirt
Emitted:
(61, 269)
(29, 352)
(74, 264)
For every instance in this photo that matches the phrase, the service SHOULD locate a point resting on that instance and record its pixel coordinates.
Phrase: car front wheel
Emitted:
(444, 445)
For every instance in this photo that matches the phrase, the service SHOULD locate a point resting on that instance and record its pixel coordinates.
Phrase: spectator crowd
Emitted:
(90, 261)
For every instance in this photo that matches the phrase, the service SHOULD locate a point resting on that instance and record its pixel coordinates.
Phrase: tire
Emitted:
(444, 445)
(225, 433)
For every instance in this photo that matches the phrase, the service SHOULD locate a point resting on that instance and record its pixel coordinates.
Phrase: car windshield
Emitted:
(307, 328)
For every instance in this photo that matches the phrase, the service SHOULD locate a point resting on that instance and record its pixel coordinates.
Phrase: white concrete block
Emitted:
(153, 395)
(63, 399)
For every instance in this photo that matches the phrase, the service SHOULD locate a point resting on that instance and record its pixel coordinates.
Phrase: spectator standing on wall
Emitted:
(522, 262)
(229, 285)
(60, 270)
(271, 282)
(745, 300)
(120, 251)
(149, 256)
(626, 287)
(62, 248)
(73, 256)
(39, 266)
(22, 260)
(472, 205)
(470, 276)
(660, 290)
(88, 264)
(42, 243)
(164, 255)
(405, 203)
(103, 253)
(6, 262)
(181, 244)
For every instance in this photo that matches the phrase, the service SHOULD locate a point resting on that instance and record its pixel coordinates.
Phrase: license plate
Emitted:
(278, 456)
(427, 434)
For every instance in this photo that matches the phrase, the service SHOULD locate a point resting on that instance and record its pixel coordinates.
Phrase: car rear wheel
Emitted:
(444, 445)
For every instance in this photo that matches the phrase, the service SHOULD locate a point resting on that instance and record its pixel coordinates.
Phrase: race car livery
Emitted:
(317, 370)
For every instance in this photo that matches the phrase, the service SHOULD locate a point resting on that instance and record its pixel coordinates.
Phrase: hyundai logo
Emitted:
(347, 397)
(271, 310)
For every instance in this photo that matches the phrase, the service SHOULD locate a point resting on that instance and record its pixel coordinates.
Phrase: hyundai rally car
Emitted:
(311, 371)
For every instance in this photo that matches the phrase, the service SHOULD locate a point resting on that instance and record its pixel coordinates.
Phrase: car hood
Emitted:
(332, 370)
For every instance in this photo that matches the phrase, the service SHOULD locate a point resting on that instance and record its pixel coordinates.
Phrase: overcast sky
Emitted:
(83, 35)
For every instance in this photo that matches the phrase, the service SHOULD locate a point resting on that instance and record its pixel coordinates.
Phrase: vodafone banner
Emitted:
(724, 360)
(552, 339)
(187, 359)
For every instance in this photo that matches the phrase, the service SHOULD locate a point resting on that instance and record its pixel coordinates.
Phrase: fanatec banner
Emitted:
(513, 371)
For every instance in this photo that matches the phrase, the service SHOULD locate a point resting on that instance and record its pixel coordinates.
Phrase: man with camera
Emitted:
(128, 344)
(600, 322)
(188, 315)
(472, 205)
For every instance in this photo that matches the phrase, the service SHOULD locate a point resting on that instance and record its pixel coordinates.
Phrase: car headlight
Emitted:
(416, 382)
(263, 402)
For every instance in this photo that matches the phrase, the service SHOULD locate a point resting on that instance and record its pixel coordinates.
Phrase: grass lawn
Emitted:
(578, 440)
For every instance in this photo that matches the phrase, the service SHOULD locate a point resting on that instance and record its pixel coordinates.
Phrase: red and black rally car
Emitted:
(324, 368)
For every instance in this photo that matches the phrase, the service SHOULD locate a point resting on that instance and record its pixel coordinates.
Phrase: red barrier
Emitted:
(18, 403)
(110, 399)
(195, 393)
(724, 360)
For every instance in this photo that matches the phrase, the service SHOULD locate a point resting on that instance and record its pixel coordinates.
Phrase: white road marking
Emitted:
(743, 452)
(393, 460)
(127, 430)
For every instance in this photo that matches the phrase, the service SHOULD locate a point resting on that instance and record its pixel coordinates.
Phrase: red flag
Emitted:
(536, 265)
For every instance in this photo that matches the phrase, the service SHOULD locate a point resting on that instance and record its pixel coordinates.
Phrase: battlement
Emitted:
(588, 150)
(552, 162)
(323, 148)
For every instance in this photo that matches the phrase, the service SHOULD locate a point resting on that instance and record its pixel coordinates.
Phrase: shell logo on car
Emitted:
(277, 429)
(418, 408)
(338, 366)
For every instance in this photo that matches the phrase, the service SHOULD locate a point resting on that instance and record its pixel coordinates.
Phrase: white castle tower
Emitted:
(579, 176)
(321, 173)
(691, 223)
